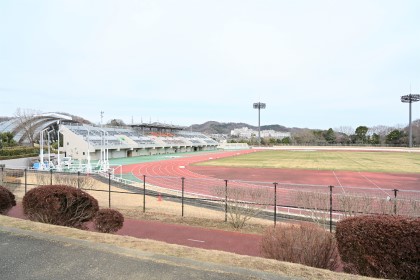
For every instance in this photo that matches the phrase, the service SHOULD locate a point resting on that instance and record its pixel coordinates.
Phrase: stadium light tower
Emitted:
(102, 117)
(259, 106)
(410, 98)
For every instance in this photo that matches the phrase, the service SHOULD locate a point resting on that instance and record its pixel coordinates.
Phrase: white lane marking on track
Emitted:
(336, 177)
(373, 183)
(194, 240)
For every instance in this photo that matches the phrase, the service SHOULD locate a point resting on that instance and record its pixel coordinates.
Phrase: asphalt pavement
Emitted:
(32, 255)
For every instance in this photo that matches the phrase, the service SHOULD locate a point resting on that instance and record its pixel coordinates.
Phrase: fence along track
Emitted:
(293, 201)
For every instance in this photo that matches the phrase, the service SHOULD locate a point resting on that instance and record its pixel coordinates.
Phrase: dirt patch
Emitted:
(256, 227)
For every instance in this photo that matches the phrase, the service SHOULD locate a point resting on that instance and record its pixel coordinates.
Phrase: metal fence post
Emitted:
(395, 201)
(331, 207)
(51, 175)
(144, 193)
(275, 203)
(109, 189)
(226, 198)
(182, 199)
(26, 180)
(78, 179)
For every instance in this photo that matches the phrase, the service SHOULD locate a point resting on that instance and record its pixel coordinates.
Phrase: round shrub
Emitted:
(380, 246)
(304, 243)
(60, 205)
(108, 220)
(7, 200)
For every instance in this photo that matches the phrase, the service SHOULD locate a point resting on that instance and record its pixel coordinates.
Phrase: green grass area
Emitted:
(389, 162)
(142, 159)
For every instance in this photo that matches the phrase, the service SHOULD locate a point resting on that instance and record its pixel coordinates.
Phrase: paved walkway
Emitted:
(239, 243)
(32, 255)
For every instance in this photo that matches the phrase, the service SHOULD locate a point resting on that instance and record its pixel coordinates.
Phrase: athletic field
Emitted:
(357, 161)
(374, 174)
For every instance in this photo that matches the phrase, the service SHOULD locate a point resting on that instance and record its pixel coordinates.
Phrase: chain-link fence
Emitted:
(232, 200)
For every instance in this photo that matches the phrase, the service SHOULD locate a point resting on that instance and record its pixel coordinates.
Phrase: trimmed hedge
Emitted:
(60, 205)
(304, 243)
(18, 151)
(108, 220)
(34, 154)
(7, 200)
(380, 246)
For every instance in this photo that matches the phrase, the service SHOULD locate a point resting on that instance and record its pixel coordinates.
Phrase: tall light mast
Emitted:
(259, 106)
(410, 98)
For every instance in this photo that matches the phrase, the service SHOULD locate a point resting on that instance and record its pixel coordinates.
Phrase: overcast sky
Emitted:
(316, 64)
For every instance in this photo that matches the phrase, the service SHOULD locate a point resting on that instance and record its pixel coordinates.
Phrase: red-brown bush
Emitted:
(304, 243)
(59, 205)
(108, 220)
(7, 200)
(380, 246)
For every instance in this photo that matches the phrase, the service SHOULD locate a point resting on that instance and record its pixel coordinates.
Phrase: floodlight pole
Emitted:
(102, 117)
(41, 148)
(58, 146)
(259, 106)
(49, 148)
(410, 98)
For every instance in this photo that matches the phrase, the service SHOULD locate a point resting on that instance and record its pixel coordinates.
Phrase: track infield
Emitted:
(200, 178)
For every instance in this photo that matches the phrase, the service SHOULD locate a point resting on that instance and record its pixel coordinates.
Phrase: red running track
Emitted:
(233, 242)
(201, 179)
(168, 173)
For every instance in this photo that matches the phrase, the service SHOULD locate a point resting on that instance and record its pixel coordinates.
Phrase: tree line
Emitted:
(362, 135)
(344, 135)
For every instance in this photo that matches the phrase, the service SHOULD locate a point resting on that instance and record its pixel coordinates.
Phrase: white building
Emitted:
(274, 134)
(248, 133)
(243, 132)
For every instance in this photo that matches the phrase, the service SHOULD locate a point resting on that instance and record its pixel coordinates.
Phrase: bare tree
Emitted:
(73, 180)
(26, 118)
(348, 130)
(352, 205)
(416, 131)
(381, 130)
(116, 122)
(316, 204)
(303, 136)
(302, 243)
(11, 178)
(244, 203)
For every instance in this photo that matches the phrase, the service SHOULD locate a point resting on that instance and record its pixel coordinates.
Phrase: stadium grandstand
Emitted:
(81, 140)
(85, 142)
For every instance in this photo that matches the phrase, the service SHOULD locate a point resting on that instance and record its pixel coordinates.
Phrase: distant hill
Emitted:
(76, 118)
(213, 127)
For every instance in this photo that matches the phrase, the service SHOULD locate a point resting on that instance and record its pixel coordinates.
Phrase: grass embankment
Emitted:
(386, 162)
